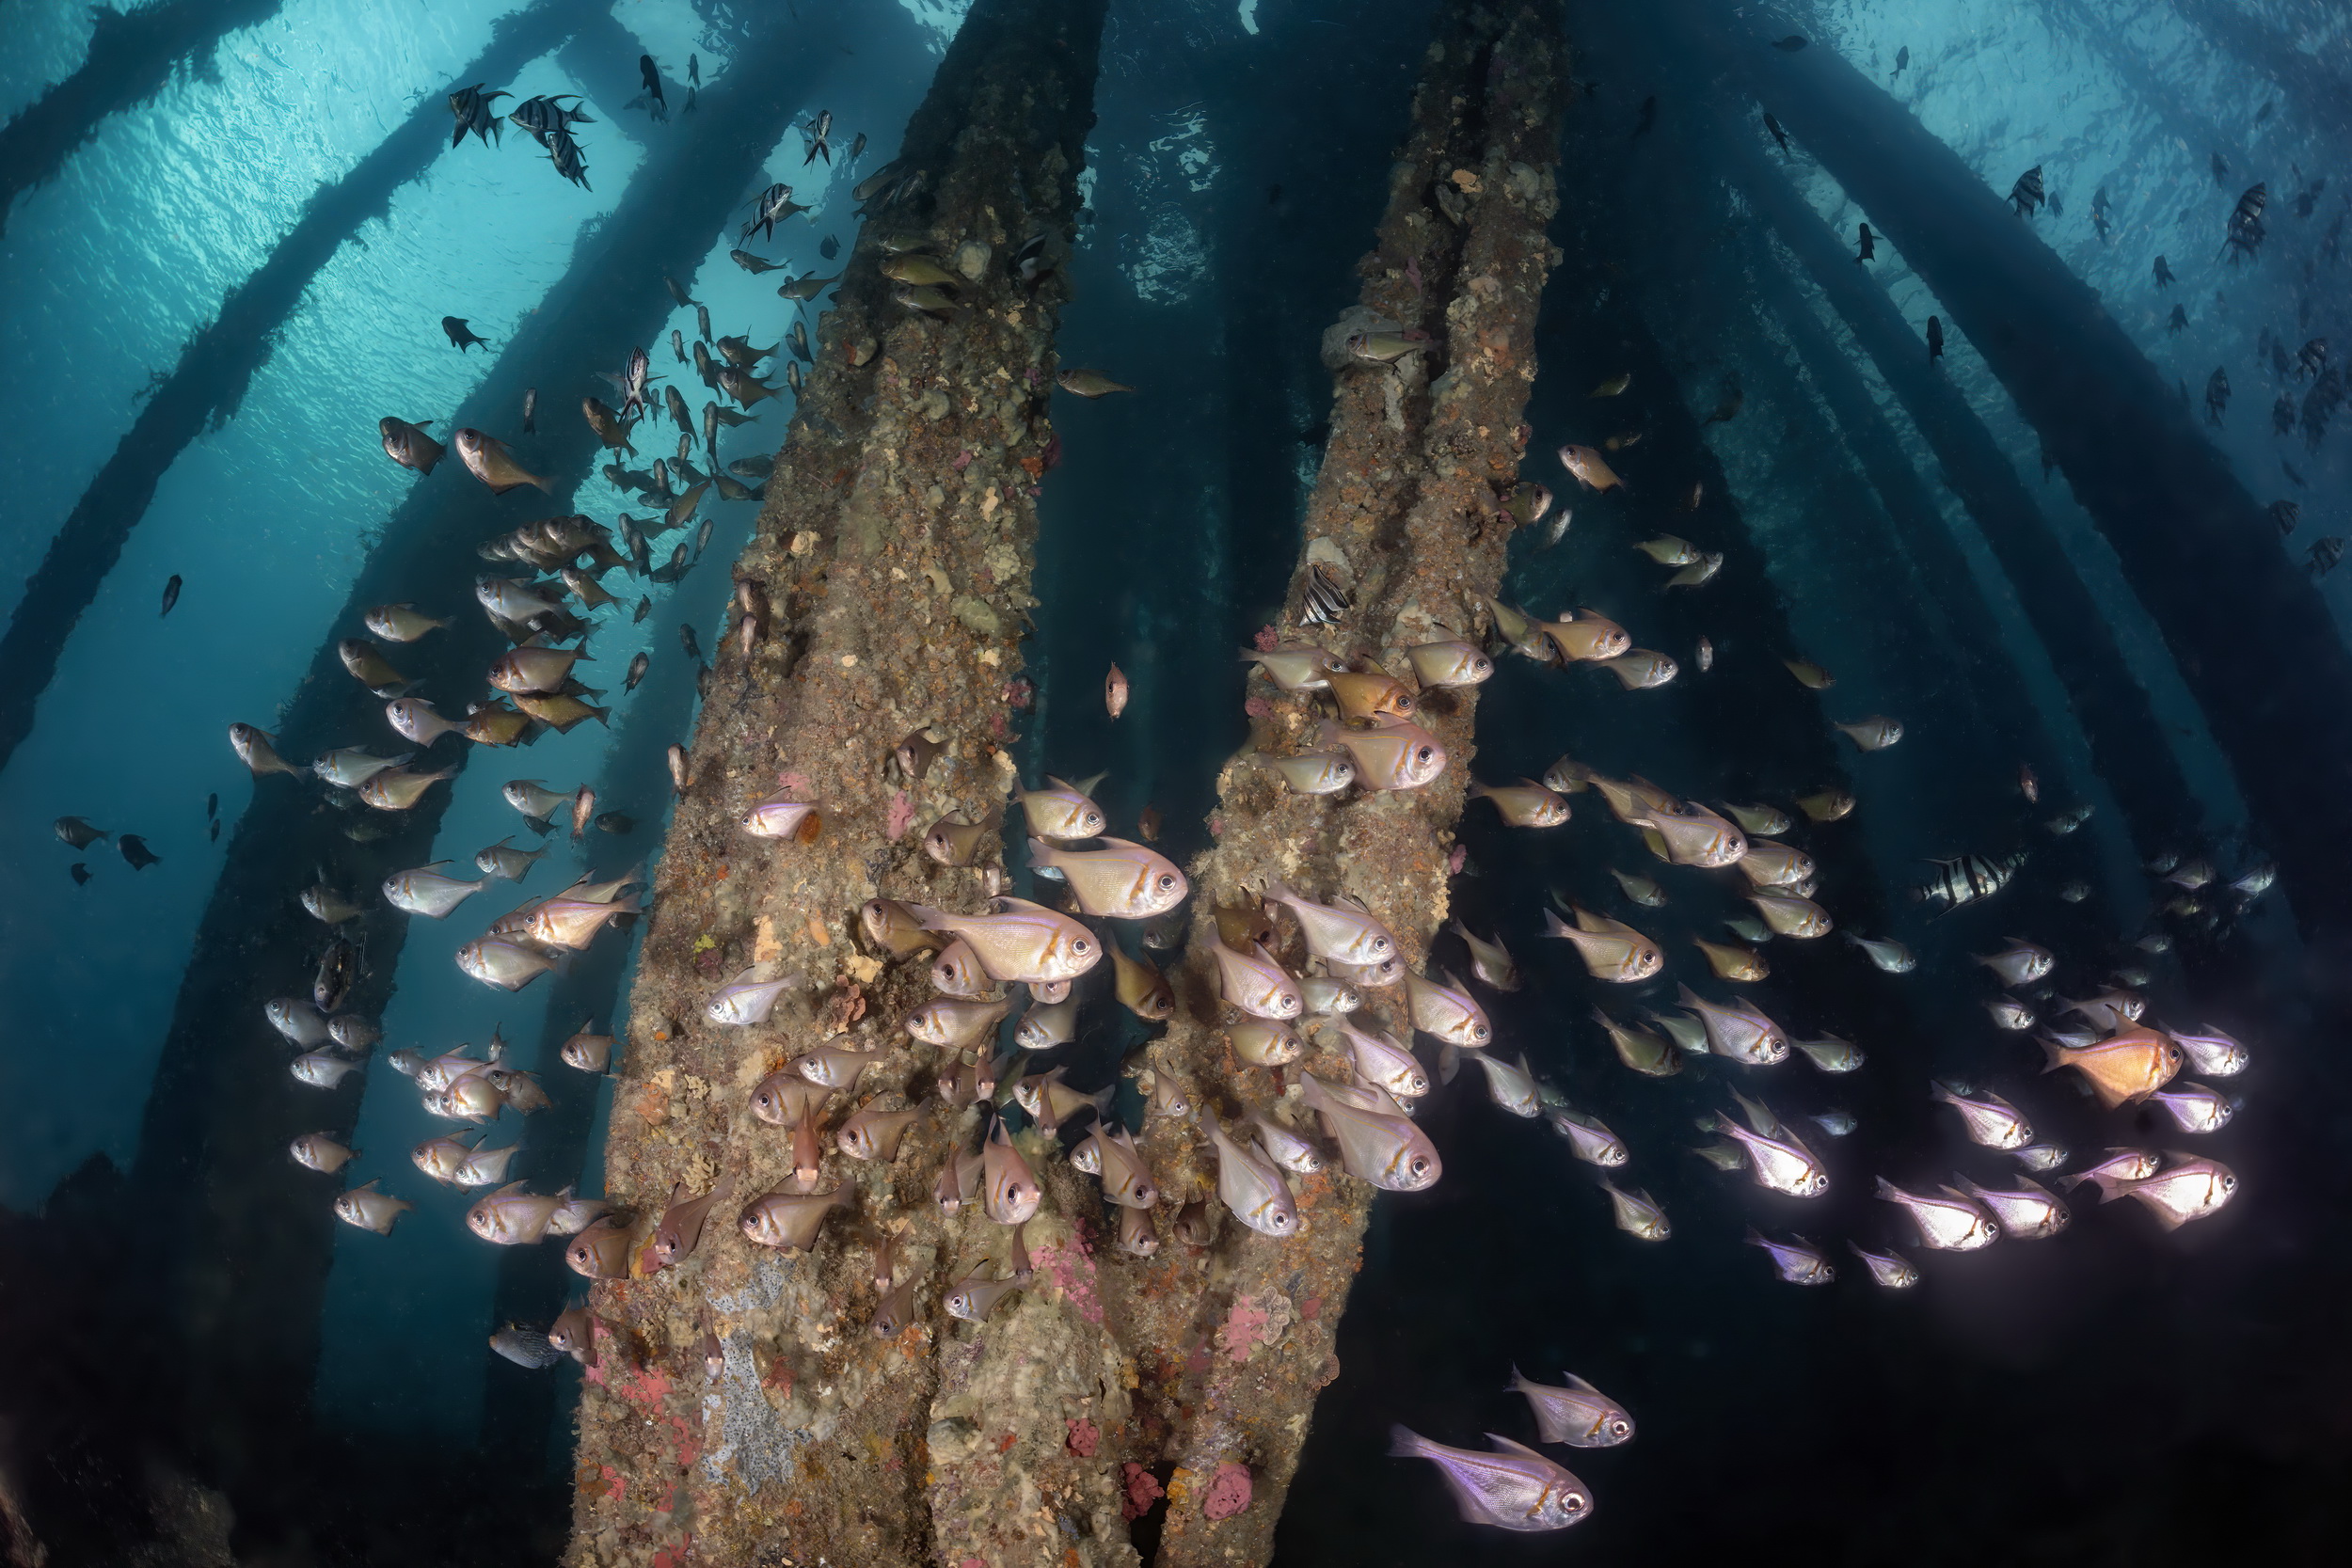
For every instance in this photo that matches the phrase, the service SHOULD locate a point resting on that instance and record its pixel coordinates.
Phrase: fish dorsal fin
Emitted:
(1505, 1445)
(1579, 1383)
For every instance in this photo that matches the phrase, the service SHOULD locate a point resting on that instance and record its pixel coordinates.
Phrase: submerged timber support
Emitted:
(246, 1250)
(217, 367)
(2108, 701)
(132, 55)
(2194, 544)
(894, 561)
(884, 599)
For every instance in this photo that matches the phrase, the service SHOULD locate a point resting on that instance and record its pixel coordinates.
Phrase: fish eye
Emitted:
(1380, 944)
(1424, 753)
(1620, 1428)
(1078, 945)
(1420, 1165)
(1166, 881)
(2229, 1183)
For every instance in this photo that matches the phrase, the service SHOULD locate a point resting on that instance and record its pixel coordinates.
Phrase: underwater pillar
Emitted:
(749, 1399)
(2253, 639)
(743, 1401)
(132, 55)
(217, 367)
(239, 1245)
(1232, 1344)
(2108, 701)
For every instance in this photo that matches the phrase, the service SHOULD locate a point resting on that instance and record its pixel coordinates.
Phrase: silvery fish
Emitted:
(1892, 957)
(1740, 1032)
(1642, 890)
(1874, 734)
(2020, 963)
(1045, 1027)
(1640, 1050)
(873, 1134)
(424, 891)
(1589, 1140)
(790, 1221)
(2213, 1053)
(1254, 983)
(1314, 773)
(1023, 941)
(1790, 916)
(2120, 1167)
(779, 816)
(601, 1251)
(1890, 1270)
(1263, 1042)
(1447, 1012)
(1250, 1186)
(1611, 950)
(1796, 1260)
(834, 1066)
(498, 962)
(972, 1298)
(1490, 962)
(1837, 1123)
(1580, 1414)
(1063, 811)
(370, 1210)
(1394, 756)
(1636, 1214)
(439, 1158)
(1991, 1120)
(321, 1070)
(2009, 1014)
(1343, 932)
(512, 1218)
(1296, 668)
(1509, 1087)
(534, 800)
(681, 1228)
(1453, 663)
(2027, 1213)
(1525, 804)
(348, 767)
(2195, 1108)
(2190, 1189)
(1831, 1055)
(299, 1022)
(484, 1168)
(1514, 1487)
(1329, 998)
(1382, 1061)
(1285, 1148)
(956, 1023)
(588, 1053)
(1953, 1224)
(1781, 1163)
(747, 999)
(321, 1152)
(1122, 881)
(2041, 1156)
(1696, 837)
(1009, 1193)
(1771, 865)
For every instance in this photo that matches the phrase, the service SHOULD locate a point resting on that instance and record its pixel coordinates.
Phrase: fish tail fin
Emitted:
(1556, 926)
(1886, 1189)
(1404, 1443)
(1041, 861)
(2053, 1053)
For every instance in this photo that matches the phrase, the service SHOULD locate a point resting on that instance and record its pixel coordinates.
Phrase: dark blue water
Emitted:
(2115, 1394)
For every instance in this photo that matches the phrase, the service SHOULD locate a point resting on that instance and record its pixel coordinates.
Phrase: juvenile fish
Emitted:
(370, 1210)
(1392, 757)
(1062, 811)
(1612, 950)
(1590, 1141)
(1023, 941)
(748, 999)
(1513, 1087)
(1796, 1260)
(1250, 1186)
(1314, 772)
(1490, 962)
(1950, 1224)
(1447, 1011)
(1525, 804)
(1891, 957)
(424, 891)
(1990, 1121)
(1638, 1049)
(1122, 881)
(1831, 1055)
(2027, 1213)
(1890, 1270)
(1741, 1033)
(1636, 1214)
(2020, 963)
(1514, 1487)
(1781, 1163)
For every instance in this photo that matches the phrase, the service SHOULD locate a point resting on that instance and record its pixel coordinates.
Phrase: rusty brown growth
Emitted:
(749, 1407)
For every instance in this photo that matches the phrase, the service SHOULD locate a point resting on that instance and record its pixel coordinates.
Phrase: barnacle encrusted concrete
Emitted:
(744, 1410)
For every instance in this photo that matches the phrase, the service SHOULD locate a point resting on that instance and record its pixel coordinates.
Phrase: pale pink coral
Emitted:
(1139, 1490)
(1084, 1436)
(1229, 1492)
(901, 814)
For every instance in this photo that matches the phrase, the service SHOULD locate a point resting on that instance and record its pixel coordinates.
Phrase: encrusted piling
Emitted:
(884, 601)
(745, 1408)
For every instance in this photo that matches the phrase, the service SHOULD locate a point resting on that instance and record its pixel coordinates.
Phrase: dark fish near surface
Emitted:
(2245, 232)
(134, 849)
(171, 593)
(2216, 395)
(1870, 245)
(80, 873)
(1903, 58)
(461, 337)
(754, 265)
(1790, 44)
(2028, 195)
(1936, 339)
(530, 411)
(78, 833)
(407, 444)
(2163, 273)
(651, 75)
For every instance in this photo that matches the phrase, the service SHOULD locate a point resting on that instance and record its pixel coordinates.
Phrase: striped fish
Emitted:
(1967, 880)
